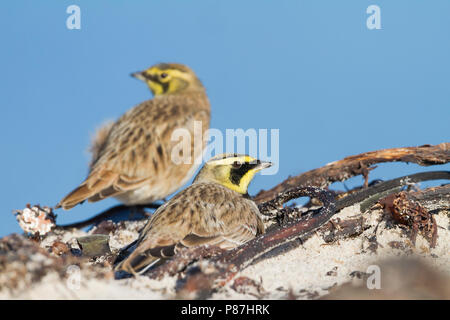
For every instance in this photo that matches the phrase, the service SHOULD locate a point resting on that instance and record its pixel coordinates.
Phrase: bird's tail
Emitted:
(78, 195)
(142, 257)
(99, 185)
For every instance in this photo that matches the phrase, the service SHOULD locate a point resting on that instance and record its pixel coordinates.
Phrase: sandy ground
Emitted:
(310, 271)
(313, 270)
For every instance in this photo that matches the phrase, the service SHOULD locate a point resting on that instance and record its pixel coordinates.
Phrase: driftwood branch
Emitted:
(360, 165)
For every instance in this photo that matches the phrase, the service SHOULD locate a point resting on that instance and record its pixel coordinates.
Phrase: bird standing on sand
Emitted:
(132, 159)
(214, 210)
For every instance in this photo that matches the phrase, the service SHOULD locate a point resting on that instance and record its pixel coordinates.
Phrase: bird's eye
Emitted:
(164, 75)
(236, 164)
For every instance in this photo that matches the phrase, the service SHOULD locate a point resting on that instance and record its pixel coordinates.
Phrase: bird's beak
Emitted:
(263, 164)
(140, 75)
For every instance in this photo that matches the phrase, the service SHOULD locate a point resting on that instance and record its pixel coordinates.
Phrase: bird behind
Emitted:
(133, 159)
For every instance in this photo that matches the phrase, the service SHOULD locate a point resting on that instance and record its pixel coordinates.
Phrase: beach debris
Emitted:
(201, 271)
(197, 284)
(221, 268)
(337, 228)
(401, 278)
(370, 196)
(183, 258)
(23, 262)
(332, 272)
(59, 248)
(341, 170)
(94, 245)
(245, 285)
(433, 198)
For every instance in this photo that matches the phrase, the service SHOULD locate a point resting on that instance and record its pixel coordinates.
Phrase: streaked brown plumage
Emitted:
(210, 211)
(132, 159)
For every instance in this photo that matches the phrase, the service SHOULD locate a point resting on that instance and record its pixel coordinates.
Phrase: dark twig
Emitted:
(360, 164)
(435, 198)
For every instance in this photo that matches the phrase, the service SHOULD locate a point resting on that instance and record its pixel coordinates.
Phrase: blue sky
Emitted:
(311, 69)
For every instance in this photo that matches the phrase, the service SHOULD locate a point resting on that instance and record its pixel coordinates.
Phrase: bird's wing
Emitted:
(226, 220)
(201, 214)
(137, 149)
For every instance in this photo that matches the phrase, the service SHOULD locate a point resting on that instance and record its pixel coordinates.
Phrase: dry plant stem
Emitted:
(360, 164)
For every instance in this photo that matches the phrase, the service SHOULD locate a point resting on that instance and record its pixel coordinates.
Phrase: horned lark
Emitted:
(213, 210)
(132, 159)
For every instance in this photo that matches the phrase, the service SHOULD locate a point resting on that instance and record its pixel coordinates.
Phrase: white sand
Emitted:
(301, 272)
